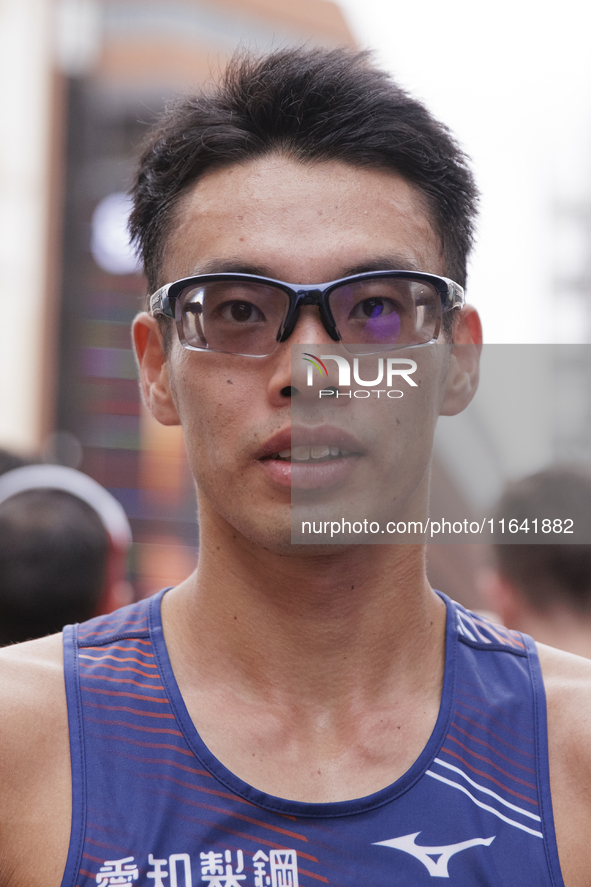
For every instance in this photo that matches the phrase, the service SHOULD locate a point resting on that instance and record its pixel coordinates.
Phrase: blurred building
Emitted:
(81, 80)
(572, 295)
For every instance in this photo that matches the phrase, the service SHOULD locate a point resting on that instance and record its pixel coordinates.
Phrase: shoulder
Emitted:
(33, 709)
(567, 681)
(31, 684)
(34, 750)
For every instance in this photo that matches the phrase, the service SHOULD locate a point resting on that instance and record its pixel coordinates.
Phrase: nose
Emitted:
(310, 331)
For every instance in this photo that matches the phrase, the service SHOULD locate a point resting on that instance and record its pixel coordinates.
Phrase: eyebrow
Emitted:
(230, 266)
(391, 262)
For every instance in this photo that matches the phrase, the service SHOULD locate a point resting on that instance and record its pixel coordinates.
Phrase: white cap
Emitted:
(58, 477)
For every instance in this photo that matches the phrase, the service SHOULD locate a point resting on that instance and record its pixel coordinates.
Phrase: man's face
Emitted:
(302, 223)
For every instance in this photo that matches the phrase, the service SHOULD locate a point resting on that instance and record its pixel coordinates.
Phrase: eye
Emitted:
(239, 311)
(373, 308)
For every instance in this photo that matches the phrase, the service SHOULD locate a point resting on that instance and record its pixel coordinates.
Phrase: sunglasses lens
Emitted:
(235, 316)
(383, 311)
(372, 313)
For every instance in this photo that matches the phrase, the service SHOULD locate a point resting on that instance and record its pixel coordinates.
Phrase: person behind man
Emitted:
(63, 542)
(297, 714)
(545, 589)
(10, 460)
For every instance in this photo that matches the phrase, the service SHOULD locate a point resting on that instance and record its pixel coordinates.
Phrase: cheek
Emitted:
(216, 407)
(209, 416)
(413, 417)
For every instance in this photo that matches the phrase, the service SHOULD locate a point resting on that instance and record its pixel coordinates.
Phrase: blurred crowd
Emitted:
(63, 547)
(544, 588)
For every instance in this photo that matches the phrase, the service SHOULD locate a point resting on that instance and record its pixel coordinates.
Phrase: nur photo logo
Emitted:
(388, 370)
(315, 363)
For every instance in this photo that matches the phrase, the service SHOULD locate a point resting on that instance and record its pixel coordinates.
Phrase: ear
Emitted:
(117, 592)
(501, 596)
(115, 595)
(462, 376)
(153, 369)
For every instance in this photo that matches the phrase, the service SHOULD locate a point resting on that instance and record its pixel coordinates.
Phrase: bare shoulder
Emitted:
(34, 759)
(567, 681)
(46, 651)
(31, 683)
(33, 710)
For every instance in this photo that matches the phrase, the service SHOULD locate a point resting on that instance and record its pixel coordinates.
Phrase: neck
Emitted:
(321, 626)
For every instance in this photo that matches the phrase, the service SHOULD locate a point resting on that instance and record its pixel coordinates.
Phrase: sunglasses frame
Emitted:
(164, 301)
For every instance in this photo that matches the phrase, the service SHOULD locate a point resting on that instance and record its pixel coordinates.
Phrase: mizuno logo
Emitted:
(436, 868)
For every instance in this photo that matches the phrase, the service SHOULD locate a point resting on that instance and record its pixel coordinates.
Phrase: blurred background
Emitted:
(80, 82)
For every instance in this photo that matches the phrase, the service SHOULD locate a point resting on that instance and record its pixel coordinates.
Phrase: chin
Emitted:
(274, 536)
(278, 541)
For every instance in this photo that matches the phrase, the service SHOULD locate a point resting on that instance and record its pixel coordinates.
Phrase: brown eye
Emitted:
(240, 312)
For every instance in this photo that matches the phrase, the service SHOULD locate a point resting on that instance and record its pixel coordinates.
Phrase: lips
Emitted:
(310, 453)
(310, 436)
(310, 457)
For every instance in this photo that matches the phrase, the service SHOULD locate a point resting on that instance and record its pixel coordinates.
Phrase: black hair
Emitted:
(548, 574)
(53, 558)
(312, 105)
(9, 461)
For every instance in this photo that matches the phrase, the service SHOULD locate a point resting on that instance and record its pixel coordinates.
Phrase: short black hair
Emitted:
(53, 560)
(549, 574)
(9, 461)
(312, 105)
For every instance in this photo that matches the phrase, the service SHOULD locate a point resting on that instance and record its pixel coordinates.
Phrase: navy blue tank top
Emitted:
(153, 807)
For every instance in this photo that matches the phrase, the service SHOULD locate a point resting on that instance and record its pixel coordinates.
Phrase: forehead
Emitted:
(301, 222)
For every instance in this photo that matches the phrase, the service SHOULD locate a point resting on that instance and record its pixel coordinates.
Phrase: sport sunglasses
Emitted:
(250, 315)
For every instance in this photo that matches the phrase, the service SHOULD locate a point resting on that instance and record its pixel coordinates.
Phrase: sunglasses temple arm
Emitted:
(455, 294)
(160, 304)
